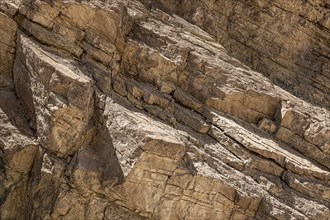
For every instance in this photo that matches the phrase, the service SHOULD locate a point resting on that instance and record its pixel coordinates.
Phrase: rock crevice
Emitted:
(124, 110)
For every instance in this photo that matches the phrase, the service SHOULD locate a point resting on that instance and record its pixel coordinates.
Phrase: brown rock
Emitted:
(267, 125)
(125, 110)
(8, 28)
(60, 106)
(287, 42)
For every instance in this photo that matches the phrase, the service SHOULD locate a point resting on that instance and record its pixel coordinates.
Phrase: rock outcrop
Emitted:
(286, 41)
(124, 109)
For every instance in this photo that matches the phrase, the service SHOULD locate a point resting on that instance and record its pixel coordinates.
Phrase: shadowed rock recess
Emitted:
(164, 109)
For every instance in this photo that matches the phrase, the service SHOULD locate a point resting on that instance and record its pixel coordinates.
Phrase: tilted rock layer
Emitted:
(133, 109)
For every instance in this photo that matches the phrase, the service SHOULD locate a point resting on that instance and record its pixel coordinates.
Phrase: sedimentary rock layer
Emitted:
(124, 110)
(286, 41)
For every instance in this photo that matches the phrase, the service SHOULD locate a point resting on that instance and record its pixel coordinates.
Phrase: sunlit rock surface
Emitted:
(164, 109)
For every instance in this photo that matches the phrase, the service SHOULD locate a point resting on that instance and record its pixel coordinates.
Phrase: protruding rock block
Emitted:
(61, 104)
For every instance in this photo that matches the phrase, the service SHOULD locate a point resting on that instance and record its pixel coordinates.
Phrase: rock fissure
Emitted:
(116, 110)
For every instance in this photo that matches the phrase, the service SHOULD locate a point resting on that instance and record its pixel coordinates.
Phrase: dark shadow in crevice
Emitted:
(14, 113)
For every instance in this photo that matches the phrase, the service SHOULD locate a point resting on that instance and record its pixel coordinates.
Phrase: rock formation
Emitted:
(164, 109)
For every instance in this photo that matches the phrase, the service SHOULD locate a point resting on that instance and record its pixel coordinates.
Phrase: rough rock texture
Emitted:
(287, 41)
(8, 29)
(124, 110)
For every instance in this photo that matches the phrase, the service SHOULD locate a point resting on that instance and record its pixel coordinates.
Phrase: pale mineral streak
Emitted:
(164, 109)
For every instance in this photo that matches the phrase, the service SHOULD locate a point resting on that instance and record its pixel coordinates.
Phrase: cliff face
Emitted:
(126, 110)
(287, 41)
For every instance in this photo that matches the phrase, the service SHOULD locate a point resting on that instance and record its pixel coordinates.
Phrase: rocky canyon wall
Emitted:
(287, 41)
(156, 110)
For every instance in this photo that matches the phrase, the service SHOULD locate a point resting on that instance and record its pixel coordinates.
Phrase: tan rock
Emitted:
(15, 205)
(300, 132)
(43, 13)
(286, 54)
(124, 110)
(8, 28)
(187, 101)
(10, 7)
(17, 151)
(60, 107)
(314, 188)
(249, 107)
(192, 119)
(46, 36)
(267, 125)
(47, 174)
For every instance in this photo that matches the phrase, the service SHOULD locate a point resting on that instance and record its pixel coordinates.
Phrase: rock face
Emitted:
(8, 29)
(286, 41)
(127, 110)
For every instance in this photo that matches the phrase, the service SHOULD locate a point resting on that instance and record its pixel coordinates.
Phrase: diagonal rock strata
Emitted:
(123, 110)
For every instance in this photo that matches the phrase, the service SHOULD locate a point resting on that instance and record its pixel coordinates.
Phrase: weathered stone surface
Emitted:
(308, 135)
(267, 125)
(17, 152)
(10, 7)
(286, 41)
(45, 184)
(64, 105)
(124, 110)
(8, 28)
